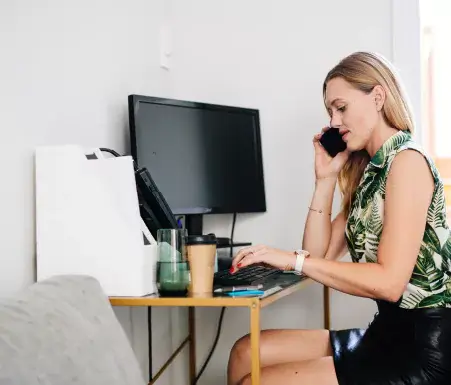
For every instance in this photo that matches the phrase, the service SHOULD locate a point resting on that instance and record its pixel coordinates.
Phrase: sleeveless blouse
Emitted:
(430, 283)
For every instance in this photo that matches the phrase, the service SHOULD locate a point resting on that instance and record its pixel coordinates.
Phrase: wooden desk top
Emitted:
(208, 300)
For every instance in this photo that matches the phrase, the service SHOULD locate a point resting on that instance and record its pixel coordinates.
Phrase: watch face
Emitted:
(302, 252)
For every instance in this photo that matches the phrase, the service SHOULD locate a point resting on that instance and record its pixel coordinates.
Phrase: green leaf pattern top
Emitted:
(430, 283)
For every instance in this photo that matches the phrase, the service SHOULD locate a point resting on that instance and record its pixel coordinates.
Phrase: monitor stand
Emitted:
(194, 225)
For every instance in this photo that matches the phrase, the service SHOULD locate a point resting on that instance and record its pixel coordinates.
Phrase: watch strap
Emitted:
(300, 258)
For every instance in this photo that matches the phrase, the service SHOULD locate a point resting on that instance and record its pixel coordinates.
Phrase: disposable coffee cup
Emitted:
(201, 251)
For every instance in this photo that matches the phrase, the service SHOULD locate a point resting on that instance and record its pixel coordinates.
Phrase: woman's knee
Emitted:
(246, 380)
(241, 350)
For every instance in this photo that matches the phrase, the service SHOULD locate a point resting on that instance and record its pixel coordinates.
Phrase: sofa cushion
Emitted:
(63, 331)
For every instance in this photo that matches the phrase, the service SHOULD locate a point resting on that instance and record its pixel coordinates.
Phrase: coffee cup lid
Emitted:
(209, 239)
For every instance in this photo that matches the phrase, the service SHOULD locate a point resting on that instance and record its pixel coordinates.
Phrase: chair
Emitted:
(63, 331)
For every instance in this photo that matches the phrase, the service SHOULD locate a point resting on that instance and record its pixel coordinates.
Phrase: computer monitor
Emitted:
(204, 158)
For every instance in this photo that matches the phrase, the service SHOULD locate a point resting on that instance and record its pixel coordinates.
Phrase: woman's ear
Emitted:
(379, 96)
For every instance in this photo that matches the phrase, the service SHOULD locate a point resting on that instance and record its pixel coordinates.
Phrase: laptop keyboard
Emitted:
(249, 275)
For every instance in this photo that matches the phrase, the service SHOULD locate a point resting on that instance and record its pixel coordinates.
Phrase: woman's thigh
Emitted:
(320, 371)
(281, 346)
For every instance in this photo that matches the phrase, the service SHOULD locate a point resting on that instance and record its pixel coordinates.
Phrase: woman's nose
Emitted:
(335, 121)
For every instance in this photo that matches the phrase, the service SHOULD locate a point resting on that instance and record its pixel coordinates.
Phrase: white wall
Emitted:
(406, 54)
(65, 71)
(72, 64)
(436, 14)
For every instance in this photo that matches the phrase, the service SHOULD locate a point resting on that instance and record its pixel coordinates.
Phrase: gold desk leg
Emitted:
(192, 344)
(255, 343)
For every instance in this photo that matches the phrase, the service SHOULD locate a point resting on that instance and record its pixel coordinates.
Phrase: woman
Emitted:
(393, 218)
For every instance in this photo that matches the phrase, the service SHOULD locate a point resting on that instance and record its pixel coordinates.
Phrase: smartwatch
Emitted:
(300, 257)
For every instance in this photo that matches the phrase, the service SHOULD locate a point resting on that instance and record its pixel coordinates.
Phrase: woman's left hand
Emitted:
(280, 259)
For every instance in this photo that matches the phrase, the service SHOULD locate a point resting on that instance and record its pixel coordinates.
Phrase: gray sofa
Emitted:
(63, 331)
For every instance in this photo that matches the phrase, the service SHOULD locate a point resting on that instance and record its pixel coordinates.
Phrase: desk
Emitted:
(254, 304)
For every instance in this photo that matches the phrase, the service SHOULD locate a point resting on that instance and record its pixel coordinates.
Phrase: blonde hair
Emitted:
(364, 71)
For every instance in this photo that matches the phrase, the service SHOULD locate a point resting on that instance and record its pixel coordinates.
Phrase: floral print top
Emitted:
(430, 283)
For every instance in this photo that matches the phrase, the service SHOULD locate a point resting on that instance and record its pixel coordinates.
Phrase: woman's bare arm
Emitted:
(408, 195)
(318, 226)
(337, 245)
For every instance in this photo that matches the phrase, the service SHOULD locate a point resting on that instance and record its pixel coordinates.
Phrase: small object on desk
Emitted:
(173, 279)
(271, 291)
(201, 251)
(238, 288)
(173, 272)
(293, 272)
(245, 293)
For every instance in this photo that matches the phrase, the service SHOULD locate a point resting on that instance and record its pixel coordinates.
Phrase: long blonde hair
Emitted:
(364, 71)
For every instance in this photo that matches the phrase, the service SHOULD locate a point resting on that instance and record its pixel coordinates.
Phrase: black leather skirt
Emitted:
(400, 347)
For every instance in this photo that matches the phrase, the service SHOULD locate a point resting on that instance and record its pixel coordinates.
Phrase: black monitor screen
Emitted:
(204, 158)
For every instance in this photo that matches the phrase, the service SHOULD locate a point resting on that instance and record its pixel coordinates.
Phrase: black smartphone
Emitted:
(332, 141)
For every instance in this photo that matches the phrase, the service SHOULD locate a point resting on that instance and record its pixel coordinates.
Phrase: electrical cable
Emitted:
(116, 154)
(231, 235)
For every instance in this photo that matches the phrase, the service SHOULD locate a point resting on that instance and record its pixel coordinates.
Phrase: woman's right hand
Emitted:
(325, 165)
